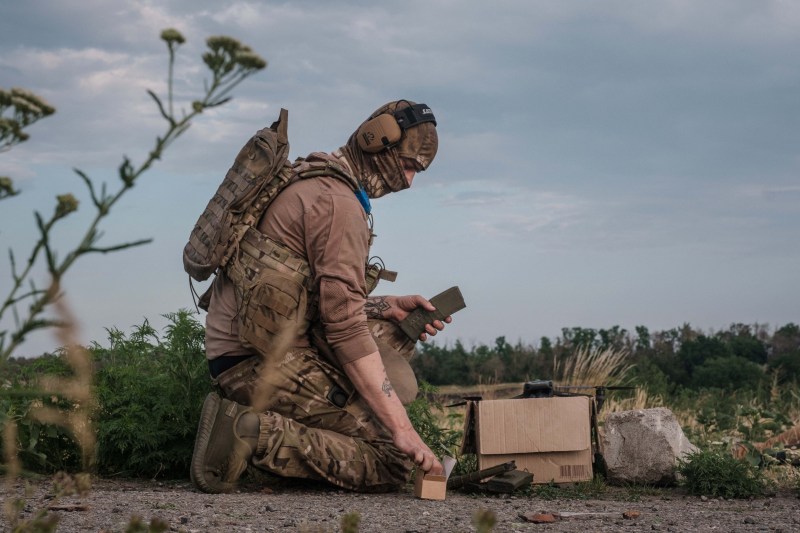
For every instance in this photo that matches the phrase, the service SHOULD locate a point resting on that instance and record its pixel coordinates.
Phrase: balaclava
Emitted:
(382, 172)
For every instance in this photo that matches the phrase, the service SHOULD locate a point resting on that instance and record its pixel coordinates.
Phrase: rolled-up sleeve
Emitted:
(337, 241)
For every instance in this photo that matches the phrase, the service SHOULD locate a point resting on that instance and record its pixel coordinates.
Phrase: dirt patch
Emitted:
(111, 504)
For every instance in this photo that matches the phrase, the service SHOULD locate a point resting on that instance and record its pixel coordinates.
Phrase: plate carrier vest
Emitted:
(274, 286)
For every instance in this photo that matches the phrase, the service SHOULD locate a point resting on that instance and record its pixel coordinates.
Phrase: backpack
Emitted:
(260, 171)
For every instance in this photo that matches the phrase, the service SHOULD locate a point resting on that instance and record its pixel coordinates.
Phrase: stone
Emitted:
(538, 518)
(643, 447)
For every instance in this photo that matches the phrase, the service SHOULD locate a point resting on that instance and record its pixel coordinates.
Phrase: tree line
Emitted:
(740, 357)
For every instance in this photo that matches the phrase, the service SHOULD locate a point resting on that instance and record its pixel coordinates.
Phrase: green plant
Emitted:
(19, 109)
(635, 492)
(148, 392)
(710, 416)
(484, 520)
(441, 440)
(229, 63)
(47, 407)
(350, 522)
(716, 473)
(584, 490)
(137, 525)
(757, 422)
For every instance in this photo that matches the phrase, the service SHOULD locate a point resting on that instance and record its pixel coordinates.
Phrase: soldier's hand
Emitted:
(401, 306)
(410, 443)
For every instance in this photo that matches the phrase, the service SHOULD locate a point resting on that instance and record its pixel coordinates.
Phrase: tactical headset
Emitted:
(386, 129)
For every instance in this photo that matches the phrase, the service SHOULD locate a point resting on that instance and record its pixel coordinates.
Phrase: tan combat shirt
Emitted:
(321, 220)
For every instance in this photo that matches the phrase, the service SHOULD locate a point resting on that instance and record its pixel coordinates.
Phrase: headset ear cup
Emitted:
(378, 133)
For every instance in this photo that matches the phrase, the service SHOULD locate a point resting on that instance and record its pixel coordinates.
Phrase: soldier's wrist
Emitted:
(378, 307)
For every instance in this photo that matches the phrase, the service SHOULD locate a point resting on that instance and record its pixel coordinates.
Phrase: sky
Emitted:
(600, 163)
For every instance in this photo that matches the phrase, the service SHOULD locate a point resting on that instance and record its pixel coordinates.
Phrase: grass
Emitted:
(586, 490)
(702, 415)
(623, 401)
(592, 366)
(716, 473)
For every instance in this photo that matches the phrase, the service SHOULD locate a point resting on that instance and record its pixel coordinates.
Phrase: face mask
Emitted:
(382, 172)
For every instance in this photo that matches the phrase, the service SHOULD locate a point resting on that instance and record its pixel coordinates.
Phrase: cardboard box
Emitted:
(430, 487)
(548, 437)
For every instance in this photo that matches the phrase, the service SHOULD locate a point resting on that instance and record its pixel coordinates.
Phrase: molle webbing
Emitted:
(254, 208)
(318, 164)
(274, 286)
(259, 172)
(259, 251)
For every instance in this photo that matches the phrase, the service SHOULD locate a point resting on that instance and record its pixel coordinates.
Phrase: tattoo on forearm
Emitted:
(376, 306)
(387, 387)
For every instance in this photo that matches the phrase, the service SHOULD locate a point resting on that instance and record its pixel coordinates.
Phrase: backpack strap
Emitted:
(322, 164)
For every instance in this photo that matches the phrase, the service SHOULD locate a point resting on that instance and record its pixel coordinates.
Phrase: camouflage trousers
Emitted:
(313, 424)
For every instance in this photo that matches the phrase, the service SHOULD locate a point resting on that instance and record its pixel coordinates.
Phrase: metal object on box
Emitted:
(475, 477)
(508, 482)
(538, 389)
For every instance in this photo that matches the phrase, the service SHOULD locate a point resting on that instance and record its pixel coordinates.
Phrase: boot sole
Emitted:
(208, 415)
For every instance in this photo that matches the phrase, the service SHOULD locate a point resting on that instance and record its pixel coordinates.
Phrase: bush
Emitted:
(787, 366)
(41, 447)
(731, 373)
(149, 394)
(441, 441)
(718, 474)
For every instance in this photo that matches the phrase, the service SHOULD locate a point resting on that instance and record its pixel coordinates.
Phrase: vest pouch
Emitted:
(239, 383)
(273, 314)
(375, 272)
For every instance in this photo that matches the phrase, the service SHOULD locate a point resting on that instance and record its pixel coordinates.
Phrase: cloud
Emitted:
(636, 133)
(782, 194)
(524, 215)
(475, 198)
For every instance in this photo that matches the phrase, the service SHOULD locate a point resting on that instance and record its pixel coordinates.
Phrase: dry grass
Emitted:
(591, 366)
(12, 466)
(640, 400)
(77, 390)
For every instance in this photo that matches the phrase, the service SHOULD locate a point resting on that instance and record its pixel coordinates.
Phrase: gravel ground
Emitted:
(110, 505)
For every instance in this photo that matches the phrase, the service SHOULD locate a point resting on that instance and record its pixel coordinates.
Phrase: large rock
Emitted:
(643, 446)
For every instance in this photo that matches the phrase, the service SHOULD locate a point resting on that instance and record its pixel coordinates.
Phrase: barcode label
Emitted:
(574, 471)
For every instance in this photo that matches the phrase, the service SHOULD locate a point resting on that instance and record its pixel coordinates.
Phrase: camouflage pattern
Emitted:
(273, 283)
(381, 173)
(259, 172)
(275, 291)
(313, 423)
